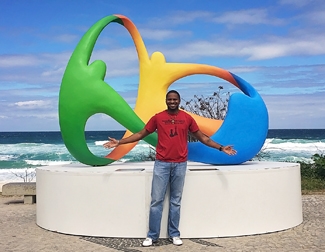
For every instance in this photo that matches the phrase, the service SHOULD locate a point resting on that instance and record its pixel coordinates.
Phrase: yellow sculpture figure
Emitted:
(155, 77)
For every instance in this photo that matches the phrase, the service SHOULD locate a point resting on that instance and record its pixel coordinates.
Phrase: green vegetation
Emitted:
(313, 175)
(214, 106)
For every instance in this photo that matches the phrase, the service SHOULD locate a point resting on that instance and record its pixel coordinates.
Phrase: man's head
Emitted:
(173, 100)
(175, 92)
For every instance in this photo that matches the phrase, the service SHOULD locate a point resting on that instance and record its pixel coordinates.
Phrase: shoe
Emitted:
(176, 241)
(147, 242)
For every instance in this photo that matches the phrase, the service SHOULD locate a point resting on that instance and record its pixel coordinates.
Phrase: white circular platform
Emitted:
(218, 201)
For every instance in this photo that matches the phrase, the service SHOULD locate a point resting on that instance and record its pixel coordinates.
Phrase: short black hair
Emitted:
(175, 92)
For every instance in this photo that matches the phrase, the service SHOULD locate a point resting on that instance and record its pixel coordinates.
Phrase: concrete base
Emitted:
(218, 201)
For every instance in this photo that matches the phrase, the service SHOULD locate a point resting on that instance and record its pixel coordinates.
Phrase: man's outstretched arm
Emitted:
(209, 142)
(133, 138)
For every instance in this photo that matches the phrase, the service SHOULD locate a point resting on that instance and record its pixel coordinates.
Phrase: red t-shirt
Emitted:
(172, 135)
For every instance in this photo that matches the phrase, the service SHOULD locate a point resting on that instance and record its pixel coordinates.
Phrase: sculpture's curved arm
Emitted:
(84, 93)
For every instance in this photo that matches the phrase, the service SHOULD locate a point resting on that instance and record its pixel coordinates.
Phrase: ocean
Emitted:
(22, 152)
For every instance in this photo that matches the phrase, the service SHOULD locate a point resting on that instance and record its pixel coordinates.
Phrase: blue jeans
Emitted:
(165, 173)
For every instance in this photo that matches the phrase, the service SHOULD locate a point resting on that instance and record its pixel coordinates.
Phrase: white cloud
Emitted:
(266, 48)
(66, 38)
(251, 16)
(281, 47)
(296, 111)
(245, 16)
(38, 60)
(201, 48)
(49, 116)
(29, 105)
(54, 72)
(7, 61)
(243, 69)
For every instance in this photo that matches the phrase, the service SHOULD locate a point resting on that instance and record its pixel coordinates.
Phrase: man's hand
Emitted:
(229, 150)
(111, 143)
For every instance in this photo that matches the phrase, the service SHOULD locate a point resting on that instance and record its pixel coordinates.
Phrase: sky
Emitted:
(278, 46)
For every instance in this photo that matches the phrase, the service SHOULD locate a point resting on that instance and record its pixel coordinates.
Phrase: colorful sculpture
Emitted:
(84, 93)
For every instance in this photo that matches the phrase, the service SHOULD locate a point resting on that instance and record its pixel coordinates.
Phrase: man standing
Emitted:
(172, 127)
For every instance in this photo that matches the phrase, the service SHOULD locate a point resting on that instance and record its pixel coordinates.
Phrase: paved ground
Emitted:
(19, 232)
